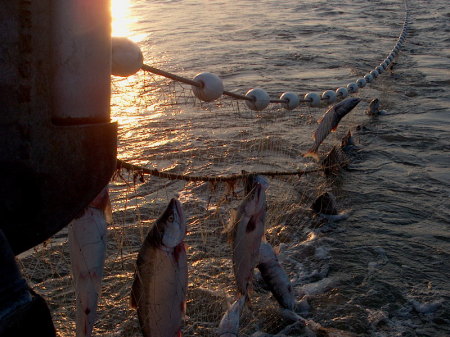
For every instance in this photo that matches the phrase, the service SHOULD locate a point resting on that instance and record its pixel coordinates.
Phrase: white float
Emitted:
(352, 87)
(312, 98)
(361, 82)
(342, 92)
(259, 99)
(329, 96)
(212, 87)
(292, 100)
(126, 57)
(368, 78)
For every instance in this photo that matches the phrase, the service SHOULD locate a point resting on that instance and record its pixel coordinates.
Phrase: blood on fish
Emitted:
(178, 250)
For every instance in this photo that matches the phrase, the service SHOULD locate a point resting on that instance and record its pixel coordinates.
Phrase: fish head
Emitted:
(325, 204)
(255, 201)
(171, 225)
(347, 140)
(346, 106)
(374, 105)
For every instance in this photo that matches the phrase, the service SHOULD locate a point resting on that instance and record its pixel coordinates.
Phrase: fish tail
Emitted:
(135, 288)
(311, 153)
(248, 302)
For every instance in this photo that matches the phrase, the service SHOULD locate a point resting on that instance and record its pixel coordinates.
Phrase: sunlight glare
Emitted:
(121, 20)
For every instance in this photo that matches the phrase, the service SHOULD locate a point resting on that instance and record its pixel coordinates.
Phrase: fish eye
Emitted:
(170, 218)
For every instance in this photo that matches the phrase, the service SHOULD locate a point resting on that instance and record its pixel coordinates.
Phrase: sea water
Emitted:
(388, 264)
(382, 271)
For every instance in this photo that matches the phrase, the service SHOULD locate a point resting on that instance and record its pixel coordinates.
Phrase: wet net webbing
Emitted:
(164, 129)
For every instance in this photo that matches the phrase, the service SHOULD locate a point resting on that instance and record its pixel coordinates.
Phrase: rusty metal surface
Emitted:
(48, 172)
(69, 168)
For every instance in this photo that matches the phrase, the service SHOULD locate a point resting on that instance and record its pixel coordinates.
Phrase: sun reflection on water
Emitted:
(121, 19)
(145, 106)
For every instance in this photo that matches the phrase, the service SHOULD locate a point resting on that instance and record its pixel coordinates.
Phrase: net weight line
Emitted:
(230, 178)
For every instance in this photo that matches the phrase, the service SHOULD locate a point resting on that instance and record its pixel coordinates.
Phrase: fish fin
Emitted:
(108, 212)
(135, 290)
(277, 250)
(312, 154)
(231, 225)
(133, 303)
(248, 302)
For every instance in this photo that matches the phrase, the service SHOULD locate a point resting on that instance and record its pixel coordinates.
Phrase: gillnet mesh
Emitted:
(162, 126)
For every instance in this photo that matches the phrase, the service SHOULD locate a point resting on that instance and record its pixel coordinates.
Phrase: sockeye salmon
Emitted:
(159, 288)
(329, 122)
(275, 276)
(325, 204)
(374, 107)
(347, 141)
(245, 232)
(87, 242)
(229, 325)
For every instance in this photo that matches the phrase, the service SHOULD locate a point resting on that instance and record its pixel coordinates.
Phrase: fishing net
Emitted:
(163, 126)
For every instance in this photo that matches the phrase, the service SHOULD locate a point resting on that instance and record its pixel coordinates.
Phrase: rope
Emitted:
(171, 76)
(237, 96)
(230, 178)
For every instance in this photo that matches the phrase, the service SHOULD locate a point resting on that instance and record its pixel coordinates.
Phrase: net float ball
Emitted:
(329, 96)
(312, 98)
(353, 87)
(361, 82)
(368, 78)
(259, 99)
(126, 57)
(292, 100)
(342, 92)
(211, 89)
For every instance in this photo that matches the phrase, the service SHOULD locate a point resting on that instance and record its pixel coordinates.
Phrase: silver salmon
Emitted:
(87, 242)
(329, 122)
(160, 282)
(275, 276)
(245, 231)
(229, 325)
(374, 107)
(347, 141)
(325, 204)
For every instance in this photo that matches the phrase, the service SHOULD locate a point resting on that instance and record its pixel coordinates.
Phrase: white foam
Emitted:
(318, 287)
(321, 253)
(426, 308)
(336, 217)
